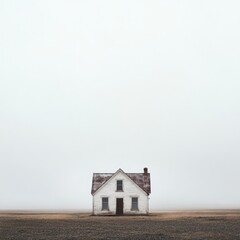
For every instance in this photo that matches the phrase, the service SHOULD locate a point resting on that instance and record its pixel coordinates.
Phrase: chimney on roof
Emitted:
(145, 171)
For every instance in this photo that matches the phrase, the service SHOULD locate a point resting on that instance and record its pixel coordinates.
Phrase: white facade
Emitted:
(129, 190)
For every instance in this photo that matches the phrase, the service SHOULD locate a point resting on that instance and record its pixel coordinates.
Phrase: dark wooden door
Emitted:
(119, 206)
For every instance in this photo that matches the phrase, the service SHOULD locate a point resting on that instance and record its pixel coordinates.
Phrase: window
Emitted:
(119, 185)
(134, 204)
(105, 203)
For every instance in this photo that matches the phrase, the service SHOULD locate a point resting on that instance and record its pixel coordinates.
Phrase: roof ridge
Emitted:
(103, 173)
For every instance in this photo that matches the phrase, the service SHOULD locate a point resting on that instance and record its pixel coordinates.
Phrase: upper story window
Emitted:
(119, 185)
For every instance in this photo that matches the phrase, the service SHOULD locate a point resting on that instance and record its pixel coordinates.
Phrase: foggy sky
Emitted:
(93, 86)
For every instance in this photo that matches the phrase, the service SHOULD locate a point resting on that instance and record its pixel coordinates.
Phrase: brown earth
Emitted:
(175, 225)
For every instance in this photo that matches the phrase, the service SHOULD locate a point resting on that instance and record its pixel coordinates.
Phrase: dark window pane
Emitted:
(119, 185)
(105, 203)
(134, 204)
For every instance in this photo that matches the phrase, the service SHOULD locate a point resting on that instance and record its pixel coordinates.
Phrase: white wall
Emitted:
(130, 189)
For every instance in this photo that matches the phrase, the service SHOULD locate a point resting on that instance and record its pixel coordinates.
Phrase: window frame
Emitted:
(136, 208)
(119, 190)
(107, 208)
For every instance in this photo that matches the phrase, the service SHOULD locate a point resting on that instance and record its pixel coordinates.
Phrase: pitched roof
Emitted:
(141, 179)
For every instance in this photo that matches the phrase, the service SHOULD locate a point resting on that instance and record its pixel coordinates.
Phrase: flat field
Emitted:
(174, 225)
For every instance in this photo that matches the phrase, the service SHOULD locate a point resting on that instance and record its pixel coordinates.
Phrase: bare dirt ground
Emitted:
(73, 226)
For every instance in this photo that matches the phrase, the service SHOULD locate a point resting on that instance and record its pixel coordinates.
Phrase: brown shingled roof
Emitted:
(141, 179)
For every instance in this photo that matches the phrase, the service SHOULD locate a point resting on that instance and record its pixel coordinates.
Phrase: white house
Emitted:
(121, 193)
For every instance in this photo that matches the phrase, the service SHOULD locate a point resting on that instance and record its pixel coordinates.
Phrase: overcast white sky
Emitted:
(93, 86)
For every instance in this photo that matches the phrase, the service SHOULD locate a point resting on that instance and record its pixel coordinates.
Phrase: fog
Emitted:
(94, 86)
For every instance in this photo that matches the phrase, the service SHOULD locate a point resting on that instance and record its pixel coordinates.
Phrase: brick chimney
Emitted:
(145, 171)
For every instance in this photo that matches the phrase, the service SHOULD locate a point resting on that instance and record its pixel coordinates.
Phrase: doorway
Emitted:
(119, 206)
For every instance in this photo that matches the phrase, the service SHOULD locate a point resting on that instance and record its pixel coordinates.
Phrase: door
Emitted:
(119, 206)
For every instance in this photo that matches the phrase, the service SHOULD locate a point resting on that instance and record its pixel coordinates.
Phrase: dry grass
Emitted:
(172, 225)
